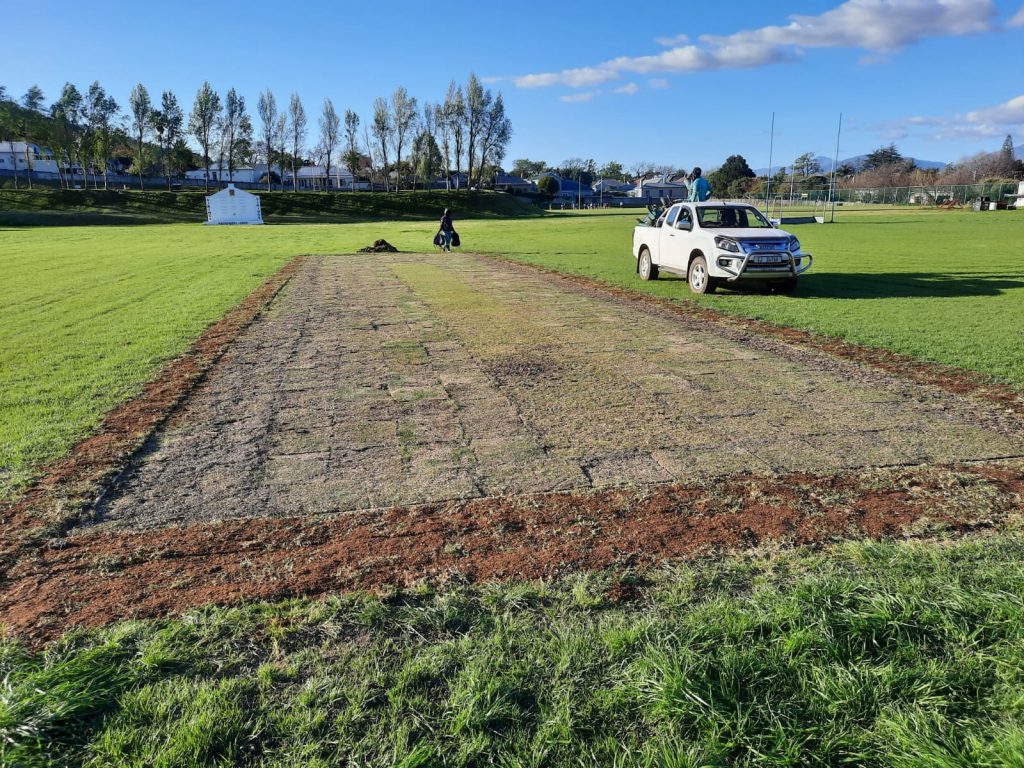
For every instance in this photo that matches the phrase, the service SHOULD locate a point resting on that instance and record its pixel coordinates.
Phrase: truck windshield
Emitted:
(732, 217)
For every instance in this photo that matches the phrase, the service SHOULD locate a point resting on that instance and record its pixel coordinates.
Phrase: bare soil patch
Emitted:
(99, 576)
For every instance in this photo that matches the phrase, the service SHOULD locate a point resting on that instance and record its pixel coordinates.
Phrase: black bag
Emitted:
(438, 239)
(456, 242)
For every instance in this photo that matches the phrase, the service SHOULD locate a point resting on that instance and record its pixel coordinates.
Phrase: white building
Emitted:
(612, 186)
(13, 157)
(246, 174)
(233, 206)
(657, 188)
(315, 178)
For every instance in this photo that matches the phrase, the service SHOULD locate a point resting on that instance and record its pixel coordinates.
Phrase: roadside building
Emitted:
(506, 182)
(314, 178)
(659, 187)
(14, 157)
(569, 190)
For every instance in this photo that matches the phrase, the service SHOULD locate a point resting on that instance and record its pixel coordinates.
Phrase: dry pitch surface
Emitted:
(397, 418)
(378, 382)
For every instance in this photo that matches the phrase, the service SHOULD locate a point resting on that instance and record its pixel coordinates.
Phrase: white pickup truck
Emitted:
(711, 244)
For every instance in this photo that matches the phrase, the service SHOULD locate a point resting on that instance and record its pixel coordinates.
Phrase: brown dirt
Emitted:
(954, 380)
(50, 506)
(93, 578)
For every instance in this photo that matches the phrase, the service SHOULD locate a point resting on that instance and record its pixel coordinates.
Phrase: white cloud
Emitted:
(629, 89)
(997, 120)
(658, 83)
(668, 42)
(1017, 19)
(576, 98)
(879, 26)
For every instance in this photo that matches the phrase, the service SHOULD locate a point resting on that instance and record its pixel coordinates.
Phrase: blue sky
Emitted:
(684, 83)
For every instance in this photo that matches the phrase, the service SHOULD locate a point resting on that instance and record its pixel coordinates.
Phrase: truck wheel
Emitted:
(646, 267)
(698, 278)
(785, 287)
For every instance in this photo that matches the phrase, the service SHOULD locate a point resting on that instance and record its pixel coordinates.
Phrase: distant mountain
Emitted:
(857, 160)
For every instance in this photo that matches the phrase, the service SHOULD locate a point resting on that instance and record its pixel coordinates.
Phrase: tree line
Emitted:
(468, 128)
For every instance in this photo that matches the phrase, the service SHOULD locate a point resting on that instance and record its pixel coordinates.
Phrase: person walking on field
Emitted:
(700, 190)
(447, 230)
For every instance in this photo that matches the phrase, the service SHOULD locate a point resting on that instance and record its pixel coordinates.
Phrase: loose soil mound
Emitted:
(379, 246)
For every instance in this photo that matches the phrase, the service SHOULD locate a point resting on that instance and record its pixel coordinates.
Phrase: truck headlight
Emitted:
(727, 244)
(794, 244)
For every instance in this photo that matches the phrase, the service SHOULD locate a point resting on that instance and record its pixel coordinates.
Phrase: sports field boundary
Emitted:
(51, 505)
(956, 381)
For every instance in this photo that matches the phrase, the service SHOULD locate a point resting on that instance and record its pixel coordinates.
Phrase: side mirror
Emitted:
(685, 225)
(774, 222)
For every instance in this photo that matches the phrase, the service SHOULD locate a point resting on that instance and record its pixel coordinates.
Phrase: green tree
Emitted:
(101, 112)
(404, 115)
(169, 124)
(30, 126)
(806, 165)
(525, 169)
(232, 126)
(426, 155)
(352, 155)
(612, 170)
(202, 122)
(735, 167)
(383, 128)
(881, 157)
(495, 134)
(548, 185)
(142, 112)
(330, 125)
(297, 134)
(66, 114)
(478, 104)
(266, 107)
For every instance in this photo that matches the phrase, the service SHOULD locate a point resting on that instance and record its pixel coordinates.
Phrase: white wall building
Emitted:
(246, 174)
(655, 189)
(233, 206)
(12, 157)
(315, 178)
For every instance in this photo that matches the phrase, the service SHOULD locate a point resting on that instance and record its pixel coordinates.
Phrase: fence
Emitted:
(875, 197)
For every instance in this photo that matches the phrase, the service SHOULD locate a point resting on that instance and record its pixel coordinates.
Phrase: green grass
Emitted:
(936, 285)
(55, 207)
(891, 654)
(90, 313)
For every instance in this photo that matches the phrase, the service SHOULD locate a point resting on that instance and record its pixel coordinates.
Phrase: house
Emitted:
(612, 187)
(509, 183)
(245, 174)
(13, 157)
(233, 206)
(569, 190)
(659, 187)
(315, 178)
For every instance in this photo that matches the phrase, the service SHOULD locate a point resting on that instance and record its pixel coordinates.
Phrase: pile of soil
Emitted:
(379, 246)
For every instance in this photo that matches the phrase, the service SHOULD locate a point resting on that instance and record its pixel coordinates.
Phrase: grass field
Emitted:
(876, 654)
(90, 313)
(890, 654)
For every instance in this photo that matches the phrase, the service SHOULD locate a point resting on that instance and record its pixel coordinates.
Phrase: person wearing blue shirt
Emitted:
(700, 190)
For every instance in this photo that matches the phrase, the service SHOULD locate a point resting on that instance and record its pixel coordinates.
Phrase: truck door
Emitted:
(675, 238)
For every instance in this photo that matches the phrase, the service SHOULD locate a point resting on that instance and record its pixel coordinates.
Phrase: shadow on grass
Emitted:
(879, 285)
(888, 285)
